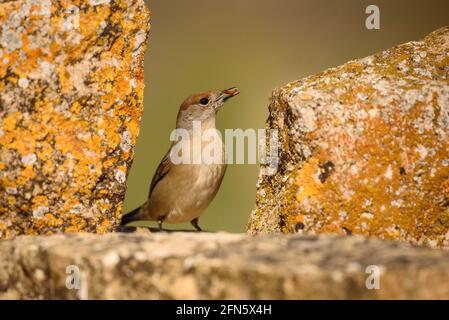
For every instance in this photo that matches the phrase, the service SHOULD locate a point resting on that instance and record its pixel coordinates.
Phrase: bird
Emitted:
(180, 191)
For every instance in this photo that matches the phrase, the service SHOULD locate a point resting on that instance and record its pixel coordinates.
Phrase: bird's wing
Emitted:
(161, 171)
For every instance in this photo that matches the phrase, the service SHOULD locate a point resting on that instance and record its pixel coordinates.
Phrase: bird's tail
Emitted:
(130, 216)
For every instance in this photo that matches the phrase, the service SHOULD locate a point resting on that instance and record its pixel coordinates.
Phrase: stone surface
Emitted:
(217, 266)
(364, 149)
(71, 90)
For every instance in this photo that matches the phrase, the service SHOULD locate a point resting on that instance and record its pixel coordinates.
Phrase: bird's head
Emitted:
(203, 106)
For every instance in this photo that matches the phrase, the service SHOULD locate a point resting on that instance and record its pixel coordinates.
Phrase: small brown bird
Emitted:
(180, 192)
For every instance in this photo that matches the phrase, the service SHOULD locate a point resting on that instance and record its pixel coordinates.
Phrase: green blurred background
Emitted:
(256, 45)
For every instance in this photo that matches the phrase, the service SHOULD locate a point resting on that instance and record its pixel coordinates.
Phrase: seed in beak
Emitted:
(231, 91)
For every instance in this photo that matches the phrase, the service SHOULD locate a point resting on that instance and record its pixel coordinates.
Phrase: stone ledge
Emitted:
(186, 265)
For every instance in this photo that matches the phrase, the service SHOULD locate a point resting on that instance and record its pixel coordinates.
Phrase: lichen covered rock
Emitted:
(218, 266)
(71, 90)
(364, 149)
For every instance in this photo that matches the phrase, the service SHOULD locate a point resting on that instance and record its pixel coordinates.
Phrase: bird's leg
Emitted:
(159, 222)
(194, 223)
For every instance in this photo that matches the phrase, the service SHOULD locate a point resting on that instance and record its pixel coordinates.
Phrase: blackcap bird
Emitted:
(186, 180)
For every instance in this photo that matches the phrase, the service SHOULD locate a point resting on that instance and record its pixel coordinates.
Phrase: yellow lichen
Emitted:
(84, 88)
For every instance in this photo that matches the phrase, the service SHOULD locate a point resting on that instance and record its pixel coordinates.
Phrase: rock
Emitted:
(71, 90)
(364, 149)
(218, 266)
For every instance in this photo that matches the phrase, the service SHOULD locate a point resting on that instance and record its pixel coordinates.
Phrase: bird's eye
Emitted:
(204, 101)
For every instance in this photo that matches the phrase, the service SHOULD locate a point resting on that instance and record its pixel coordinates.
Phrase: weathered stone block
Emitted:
(364, 149)
(71, 90)
(218, 266)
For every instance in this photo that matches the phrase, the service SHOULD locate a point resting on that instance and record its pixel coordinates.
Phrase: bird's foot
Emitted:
(159, 222)
(194, 223)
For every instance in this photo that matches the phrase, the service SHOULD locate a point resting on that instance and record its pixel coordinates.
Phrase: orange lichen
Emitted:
(373, 180)
(364, 149)
(306, 178)
(10, 121)
(103, 227)
(78, 90)
(446, 188)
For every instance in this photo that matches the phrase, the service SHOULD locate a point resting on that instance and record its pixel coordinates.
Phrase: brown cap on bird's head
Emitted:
(203, 105)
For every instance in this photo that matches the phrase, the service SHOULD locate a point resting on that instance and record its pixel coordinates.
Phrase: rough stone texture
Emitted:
(218, 266)
(71, 90)
(364, 149)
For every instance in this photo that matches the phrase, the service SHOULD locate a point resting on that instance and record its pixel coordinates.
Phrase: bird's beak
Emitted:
(229, 93)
